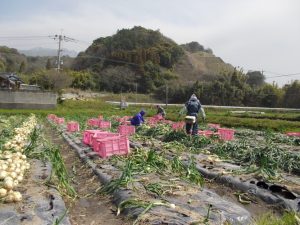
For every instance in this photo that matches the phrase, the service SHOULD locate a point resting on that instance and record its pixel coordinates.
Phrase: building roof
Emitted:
(11, 77)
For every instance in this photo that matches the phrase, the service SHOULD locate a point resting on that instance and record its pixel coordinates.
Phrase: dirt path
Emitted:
(90, 208)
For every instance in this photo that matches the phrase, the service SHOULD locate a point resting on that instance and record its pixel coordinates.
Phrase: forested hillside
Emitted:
(11, 60)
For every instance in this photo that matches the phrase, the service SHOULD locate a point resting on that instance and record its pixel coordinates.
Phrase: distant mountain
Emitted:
(40, 51)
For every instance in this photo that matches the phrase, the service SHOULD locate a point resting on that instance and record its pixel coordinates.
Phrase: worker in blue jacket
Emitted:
(138, 119)
(193, 107)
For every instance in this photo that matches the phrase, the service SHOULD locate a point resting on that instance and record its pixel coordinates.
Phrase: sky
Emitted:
(259, 35)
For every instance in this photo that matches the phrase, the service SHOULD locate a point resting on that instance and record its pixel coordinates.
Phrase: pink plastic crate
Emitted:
(226, 134)
(206, 133)
(293, 134)
(124, 119)
(88, 134)
(72, 126)
(104, 124)
(59, 120)
(158, 117)
(214, 125)
(154, 120)
(126, 130)
(178, 125)
(167, 122)
(93, 122)
(113, 146)
(51, 117)
(104, 134)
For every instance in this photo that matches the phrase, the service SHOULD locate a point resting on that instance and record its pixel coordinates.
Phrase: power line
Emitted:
(284, 75)
(22, 38)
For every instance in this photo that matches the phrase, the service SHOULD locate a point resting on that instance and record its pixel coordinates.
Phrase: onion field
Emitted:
(61, 167)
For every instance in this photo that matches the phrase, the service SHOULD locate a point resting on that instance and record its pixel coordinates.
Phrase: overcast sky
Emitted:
(251, 34)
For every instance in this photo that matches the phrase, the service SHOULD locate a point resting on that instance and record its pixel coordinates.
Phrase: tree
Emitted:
(292, 95)
(22, 67)
(2, 66)
(117, 79)
(51, 80)
(193, 47)
(48, 64)
(82, 79)
(255, 78)
(270, 96)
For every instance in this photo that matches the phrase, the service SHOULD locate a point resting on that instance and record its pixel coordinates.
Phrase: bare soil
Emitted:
(257, 207)
(90, 208)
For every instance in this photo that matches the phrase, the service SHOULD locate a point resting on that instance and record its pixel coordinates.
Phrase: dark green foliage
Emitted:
(292, 95)
(143, 52)
(13, 61)
(267, 158)
(82, 80)
(195, 47)
(255, 78)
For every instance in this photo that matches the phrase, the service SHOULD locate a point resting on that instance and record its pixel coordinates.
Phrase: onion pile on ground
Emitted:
(13, 163)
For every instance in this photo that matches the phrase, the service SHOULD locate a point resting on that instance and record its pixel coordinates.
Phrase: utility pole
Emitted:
(61, 38)
(135, 93)
(167, 94)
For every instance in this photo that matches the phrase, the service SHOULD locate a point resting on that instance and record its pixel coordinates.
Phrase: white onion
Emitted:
(3, 192)
(19, 178)
(9, 198)
(7, 178)
(18, 171)
(4, 167)
(8, 184)
(3, 174)
(13, 175)
(17, 196)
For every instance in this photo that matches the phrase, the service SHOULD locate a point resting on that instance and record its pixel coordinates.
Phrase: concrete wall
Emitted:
(27, 99)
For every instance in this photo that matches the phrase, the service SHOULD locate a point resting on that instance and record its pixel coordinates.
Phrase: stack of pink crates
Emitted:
(126, 130)
(99, 136)
(112, 146)
(72, 126)
(105, 143)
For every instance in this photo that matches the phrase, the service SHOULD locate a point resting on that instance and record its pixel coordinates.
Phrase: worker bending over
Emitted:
(138, 119)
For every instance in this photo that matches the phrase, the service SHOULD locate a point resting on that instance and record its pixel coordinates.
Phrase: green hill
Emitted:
(149, 58)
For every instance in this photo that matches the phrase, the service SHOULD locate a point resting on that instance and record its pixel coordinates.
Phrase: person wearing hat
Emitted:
(193, 107)
(138, 119)
(161, 111)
